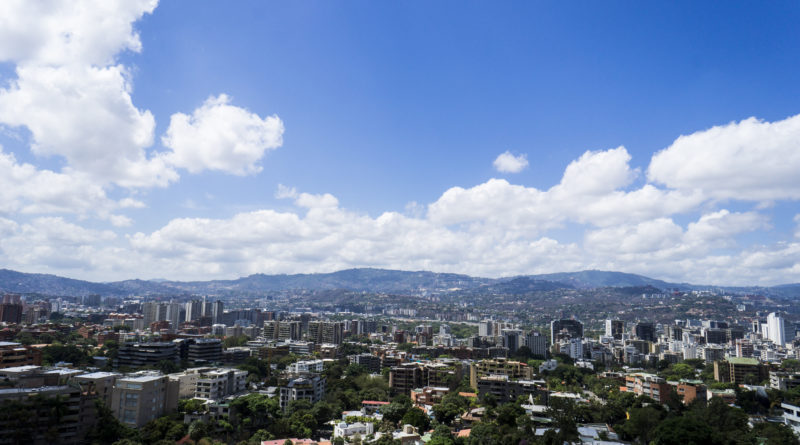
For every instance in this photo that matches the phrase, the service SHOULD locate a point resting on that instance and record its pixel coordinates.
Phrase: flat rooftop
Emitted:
(18, 369)
(97, 375)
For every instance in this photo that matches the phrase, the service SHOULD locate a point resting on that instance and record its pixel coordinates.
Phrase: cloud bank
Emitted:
(688, 217)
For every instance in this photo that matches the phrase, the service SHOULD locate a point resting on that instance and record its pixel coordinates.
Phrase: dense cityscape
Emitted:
(303, 367)
(322, 222)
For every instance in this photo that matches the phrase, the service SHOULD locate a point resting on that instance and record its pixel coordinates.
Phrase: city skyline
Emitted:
(489, 140)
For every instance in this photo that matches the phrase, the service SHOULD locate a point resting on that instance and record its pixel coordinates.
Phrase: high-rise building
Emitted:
(775, 329)
(511, 340)
(283, 330)
(615, 328)
(150, 311)
(565, 329)
(326, 332)
(485, 328)
(93, 300)
(216, 312)
(575, 350)
(193, 310)
(537, 343)
(11, 309)
(744, 349)
(173, 314)
(645, 331)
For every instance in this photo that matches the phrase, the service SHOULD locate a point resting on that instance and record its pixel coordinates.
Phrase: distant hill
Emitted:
(524, 285)
(589, 279)
(22, 283)
(370, 280)
(366, 280)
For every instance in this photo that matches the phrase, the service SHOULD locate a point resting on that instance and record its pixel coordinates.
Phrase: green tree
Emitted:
(642, 421)
(563, 413)
(417, 418)
(198, 430)
(395, 411)
(774, 434)
(684, 430)
(191, 406)
(106, 428)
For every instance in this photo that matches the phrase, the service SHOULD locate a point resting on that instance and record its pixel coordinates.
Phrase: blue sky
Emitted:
(227, 138)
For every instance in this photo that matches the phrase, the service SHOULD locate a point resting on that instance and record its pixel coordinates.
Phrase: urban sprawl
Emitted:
(383, 369)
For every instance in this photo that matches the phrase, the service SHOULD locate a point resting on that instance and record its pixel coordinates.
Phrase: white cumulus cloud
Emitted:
(749, 160)
(70, 92)
(509, 163)
(220, 136)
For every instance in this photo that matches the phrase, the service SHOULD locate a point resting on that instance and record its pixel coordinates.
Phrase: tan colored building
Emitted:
(428, 395)
(499, 366)
(14, 354)
(140, 398)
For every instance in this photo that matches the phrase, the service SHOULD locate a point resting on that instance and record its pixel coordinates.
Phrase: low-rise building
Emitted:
(305, 367)
(503, 389)
(219, 383)
(512, 369)
(311, 388)
(650, 385)
(135, 355)
(791, 417)
(784, 380)
(689, 390)
(346, 431)
(205, 351)
(15, 354)
(428, 395)
(371, 363)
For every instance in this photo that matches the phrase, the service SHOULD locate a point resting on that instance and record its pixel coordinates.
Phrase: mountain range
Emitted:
(361, 280)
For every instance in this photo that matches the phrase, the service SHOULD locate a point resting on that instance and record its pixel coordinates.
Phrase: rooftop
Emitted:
(97, 375)
(16, 369)
(743, 361)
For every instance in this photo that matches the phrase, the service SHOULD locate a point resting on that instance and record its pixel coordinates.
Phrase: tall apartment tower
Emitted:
(565, 328)
(775, 329)
(537, 343)
(173, 314)
(644, 330)
(485, 328)
(216, 312)
(193, 310)
(150, 312)
(615, 328)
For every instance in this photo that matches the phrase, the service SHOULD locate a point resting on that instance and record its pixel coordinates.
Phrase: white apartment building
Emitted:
(305, 366)
(775, 329)
(214, 385)
(791, 417)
